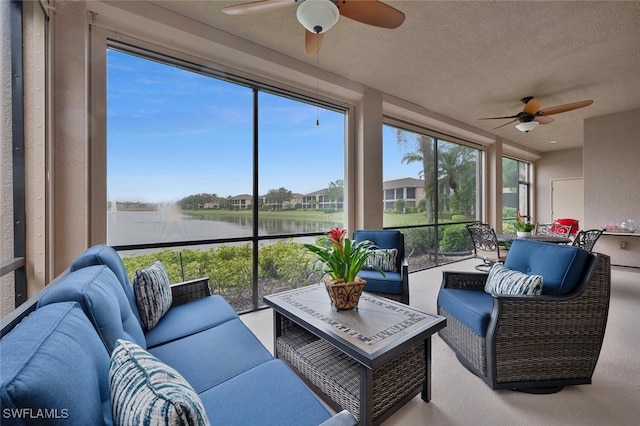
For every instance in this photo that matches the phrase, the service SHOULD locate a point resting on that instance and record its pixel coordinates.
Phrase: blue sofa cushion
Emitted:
(103, 302)
(190, 318)
(103, 254)
(472, 307)
(561, 266)
(384, 239)
(145, 391)
(391, 283)
(221, 352)
(271, 395)
(55, 356)
(502, 280)
(152, 289)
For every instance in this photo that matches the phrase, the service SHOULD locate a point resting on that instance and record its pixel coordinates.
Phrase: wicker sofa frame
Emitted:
(537, 344)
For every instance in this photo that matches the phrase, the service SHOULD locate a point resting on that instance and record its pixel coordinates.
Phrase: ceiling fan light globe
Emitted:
(527, 126)
(318, 16)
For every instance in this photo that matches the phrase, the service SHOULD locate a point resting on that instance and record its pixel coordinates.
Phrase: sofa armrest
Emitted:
(343, 418)
(190, 290)
(464, 280)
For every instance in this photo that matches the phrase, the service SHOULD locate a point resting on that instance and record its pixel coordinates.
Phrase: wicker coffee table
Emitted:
(370, 361)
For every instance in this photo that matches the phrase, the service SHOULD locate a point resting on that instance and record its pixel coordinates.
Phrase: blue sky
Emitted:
(173, 133)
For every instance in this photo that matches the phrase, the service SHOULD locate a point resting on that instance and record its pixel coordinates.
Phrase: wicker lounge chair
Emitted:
(536, 344)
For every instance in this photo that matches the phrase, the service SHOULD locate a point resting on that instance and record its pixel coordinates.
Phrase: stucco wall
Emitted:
(612, 180)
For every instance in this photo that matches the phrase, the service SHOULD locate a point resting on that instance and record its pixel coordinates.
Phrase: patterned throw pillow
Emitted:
(153, 294)
(384, 259)
(502, 280)
(145, 391)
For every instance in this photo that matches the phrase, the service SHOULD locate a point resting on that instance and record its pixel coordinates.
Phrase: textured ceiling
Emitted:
(467, 60)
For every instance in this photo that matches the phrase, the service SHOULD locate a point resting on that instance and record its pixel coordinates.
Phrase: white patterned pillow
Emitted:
(385, 259)
(152, 289)
(145, 391)
(503, 280)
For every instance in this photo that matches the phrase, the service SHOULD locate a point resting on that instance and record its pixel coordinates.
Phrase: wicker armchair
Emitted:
(395, 284)
(536, 344)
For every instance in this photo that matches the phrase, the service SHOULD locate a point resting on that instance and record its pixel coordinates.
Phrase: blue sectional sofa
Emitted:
(57, 362)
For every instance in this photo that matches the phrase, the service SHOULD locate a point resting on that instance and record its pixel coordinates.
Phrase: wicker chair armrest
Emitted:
(190, 290)
(464, 280)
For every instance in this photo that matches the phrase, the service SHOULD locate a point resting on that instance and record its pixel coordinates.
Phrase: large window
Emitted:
(516, 192)
(431, 188)
(218, 176)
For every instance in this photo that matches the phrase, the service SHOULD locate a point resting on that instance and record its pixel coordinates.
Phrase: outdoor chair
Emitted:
(553, 229)
(485, 245)
(587, 239)
(390, 257)
(535, 338)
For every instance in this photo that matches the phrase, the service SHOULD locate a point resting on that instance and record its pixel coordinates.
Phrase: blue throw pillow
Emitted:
(145, 391)
(153, 294)
(502, 280)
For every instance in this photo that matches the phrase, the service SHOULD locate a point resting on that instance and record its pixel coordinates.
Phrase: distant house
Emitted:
(241, 202)
(319, 200)
(408, 189)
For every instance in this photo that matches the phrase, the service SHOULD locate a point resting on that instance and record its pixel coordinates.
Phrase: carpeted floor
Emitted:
(460, 398)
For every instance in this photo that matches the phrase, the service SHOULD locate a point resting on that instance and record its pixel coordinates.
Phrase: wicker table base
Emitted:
(370, 361)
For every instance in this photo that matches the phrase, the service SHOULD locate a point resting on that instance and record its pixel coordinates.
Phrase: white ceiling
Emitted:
(472, 59)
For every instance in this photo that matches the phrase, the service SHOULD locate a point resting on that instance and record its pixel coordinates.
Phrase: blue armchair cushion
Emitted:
(145, 391)
(502, 280)
(53, 356)
(383, 239)
(384, 259)
(472, 307)
(391, 283)
(271, 395)
(560, 266)
(103, 254)
(103, 301)
(153, 294)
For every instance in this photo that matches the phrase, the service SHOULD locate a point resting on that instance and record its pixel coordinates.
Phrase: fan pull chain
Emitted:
(317, 84)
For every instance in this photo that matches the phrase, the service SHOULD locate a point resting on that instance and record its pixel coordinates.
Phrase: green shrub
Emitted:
(455, 238)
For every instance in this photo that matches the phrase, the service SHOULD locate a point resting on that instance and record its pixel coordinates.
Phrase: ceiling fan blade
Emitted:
(532, 106)
(371, 12)
(312, 42)
(256, 6)
(564, 108)
(498, 118)
(505, 124)
(544, 120)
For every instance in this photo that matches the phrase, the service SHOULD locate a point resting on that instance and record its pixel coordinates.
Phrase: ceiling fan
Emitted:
(318, 16)
(532, 115)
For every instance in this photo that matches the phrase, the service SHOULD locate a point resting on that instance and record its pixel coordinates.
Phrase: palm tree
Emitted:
(424, 146)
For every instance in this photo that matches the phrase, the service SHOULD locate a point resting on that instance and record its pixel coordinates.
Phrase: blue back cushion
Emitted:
(103, 254)
(384, 239)
(561, 266)
(95, 288)
(49, 359)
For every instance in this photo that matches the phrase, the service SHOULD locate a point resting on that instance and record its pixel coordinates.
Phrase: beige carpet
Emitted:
(460, 398)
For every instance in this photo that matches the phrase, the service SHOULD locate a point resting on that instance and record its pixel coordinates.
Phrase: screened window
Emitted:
(516, 192)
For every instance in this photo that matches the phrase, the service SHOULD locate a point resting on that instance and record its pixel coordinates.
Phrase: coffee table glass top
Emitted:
(377, 326)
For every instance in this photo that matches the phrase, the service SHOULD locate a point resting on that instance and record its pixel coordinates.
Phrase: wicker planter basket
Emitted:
(344, 295)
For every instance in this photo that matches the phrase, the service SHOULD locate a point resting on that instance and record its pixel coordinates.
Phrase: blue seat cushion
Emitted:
(190, 318)
(103, 254)
(561, 266)
(391, 283)
(471, 307)
(221, 352)
(49, 359)
(271, 395)
(103, 301)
